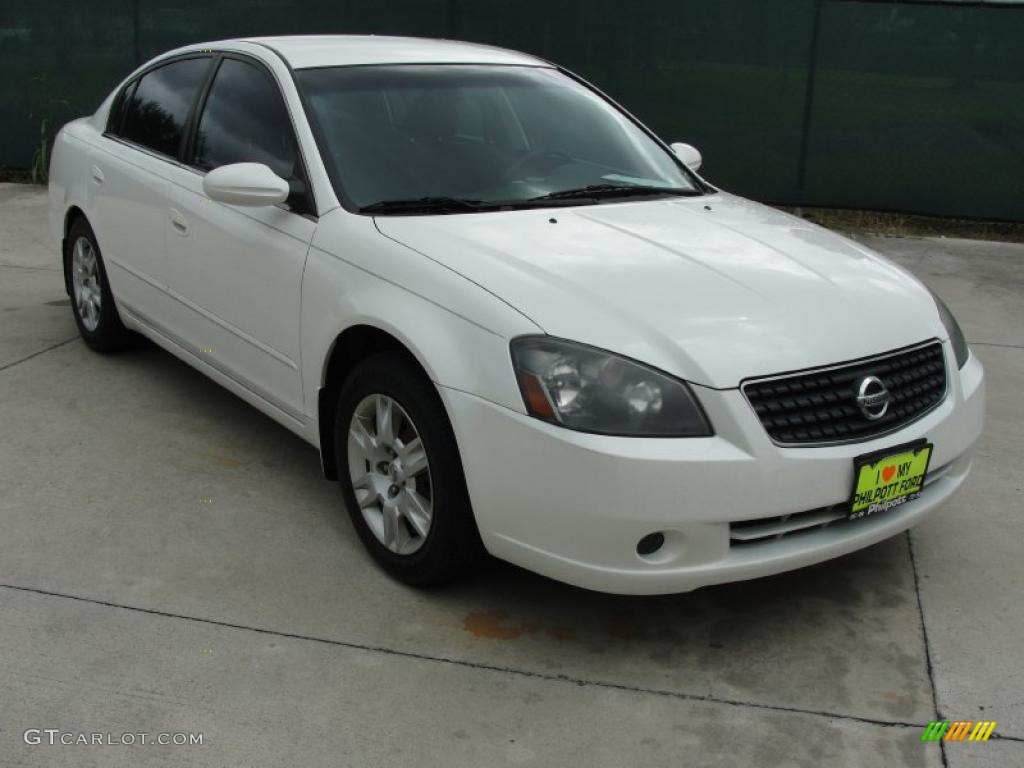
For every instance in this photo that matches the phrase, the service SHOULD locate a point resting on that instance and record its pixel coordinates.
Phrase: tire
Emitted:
(451, 547)
(92, 303)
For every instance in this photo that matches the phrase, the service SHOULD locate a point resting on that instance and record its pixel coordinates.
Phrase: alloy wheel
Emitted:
(390, 474)
(85, 283)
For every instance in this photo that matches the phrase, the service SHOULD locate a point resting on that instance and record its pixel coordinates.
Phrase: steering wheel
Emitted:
(554, 158)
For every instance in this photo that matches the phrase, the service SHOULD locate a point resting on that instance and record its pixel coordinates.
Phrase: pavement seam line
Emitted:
(37, 354)
(26, 266)
(924, 640)
(994, 344)
(581, 682)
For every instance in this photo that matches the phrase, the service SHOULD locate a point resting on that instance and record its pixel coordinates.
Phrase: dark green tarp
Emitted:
(910, 106)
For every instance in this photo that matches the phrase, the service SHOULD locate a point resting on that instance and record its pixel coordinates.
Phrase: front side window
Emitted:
(480, 136)
(158, 109)
(245, 121)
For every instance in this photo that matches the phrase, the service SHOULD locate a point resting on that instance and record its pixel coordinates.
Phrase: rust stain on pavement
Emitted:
(494, 625)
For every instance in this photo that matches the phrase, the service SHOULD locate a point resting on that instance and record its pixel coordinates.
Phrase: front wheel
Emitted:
(401, 474)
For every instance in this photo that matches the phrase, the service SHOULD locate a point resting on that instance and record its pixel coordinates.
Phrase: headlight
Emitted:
(591, 390)
(956, 336)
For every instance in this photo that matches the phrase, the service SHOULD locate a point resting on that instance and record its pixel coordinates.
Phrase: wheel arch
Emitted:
(353, 345)
(73, 214)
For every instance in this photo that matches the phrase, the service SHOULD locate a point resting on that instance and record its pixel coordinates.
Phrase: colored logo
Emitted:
(958, 730)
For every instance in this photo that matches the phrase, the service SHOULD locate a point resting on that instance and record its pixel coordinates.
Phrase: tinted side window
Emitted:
(245, 121)
(158, 109)
(117, 109)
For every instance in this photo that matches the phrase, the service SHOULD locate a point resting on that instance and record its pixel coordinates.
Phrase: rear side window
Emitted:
(117, 110)
(245, 121)
(157, 111)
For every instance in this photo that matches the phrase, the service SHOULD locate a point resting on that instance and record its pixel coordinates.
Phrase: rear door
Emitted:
(129, 180)
(235, 273)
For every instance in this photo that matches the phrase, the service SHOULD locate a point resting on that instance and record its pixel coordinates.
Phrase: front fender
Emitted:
(456, 329)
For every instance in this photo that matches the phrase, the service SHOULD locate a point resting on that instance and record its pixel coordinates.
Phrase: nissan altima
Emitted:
(510, 318)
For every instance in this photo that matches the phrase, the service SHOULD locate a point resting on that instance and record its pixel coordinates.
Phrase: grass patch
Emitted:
(15, 176)
(909, 225)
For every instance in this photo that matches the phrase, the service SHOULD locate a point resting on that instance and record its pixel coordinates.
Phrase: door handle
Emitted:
(97, 174)
(179, 222)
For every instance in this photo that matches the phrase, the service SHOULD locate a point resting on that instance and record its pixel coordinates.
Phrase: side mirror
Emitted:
(250, 184)
(688, 153)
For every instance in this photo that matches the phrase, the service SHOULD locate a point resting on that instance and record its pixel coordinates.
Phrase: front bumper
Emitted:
(573, 506)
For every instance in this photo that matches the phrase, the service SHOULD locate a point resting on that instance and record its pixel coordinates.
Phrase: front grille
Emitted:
(820, 405)
(765, 529)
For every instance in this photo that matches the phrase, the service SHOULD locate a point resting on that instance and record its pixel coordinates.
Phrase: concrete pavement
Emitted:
(128, 603)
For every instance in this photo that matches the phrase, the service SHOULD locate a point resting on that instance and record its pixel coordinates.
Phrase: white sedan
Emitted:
(510, 318)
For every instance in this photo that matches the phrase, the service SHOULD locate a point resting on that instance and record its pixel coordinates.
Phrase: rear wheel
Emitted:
(91, 300)
(401, 474)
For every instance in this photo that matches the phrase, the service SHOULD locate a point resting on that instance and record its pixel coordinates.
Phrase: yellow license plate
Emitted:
(887, 479)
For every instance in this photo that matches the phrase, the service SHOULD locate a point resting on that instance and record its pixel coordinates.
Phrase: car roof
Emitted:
(307, 51)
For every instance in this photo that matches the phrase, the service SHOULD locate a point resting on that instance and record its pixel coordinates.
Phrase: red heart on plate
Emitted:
(888, 472)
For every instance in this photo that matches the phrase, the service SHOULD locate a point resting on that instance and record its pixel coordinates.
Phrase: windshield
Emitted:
(453, 138)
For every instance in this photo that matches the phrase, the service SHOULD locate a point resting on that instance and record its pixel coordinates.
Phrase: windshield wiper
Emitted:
(424, 205)
(444, 204)
(597, 191)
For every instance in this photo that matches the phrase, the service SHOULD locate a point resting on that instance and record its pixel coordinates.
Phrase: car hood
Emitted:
(713, 289)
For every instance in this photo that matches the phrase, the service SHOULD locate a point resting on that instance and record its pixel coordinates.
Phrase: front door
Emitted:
(234, 272)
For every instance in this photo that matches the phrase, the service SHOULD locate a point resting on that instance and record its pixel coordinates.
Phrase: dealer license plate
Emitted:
(887, 479)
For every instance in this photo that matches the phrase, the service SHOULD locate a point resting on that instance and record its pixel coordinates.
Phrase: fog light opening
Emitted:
(650, 544)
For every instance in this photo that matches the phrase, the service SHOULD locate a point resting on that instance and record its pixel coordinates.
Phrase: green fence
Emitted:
(909, 106)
